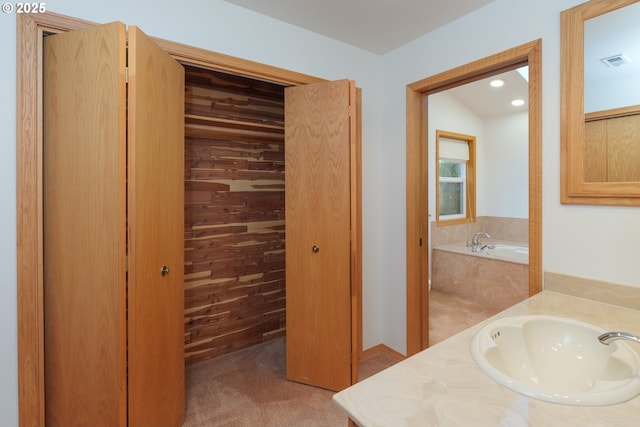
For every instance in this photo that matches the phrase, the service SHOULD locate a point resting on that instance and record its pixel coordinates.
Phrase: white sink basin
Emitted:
(557, 360)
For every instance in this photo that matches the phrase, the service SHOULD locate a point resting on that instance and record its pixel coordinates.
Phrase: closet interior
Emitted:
(141, 319)
(234, 231)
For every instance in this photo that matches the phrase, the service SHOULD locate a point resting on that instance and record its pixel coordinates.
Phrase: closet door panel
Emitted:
(156, 235)
(84, 242)
(317, 205)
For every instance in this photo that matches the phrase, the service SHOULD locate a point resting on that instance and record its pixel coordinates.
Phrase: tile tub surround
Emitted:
(442, 385)
(490, 283)
(516, 229)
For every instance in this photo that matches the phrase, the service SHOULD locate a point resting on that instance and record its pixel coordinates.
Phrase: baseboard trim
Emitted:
(381, 348)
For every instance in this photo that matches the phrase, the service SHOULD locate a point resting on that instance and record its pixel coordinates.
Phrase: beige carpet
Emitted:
(248, 388)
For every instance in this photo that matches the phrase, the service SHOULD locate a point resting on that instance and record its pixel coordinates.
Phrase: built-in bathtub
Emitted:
(494, 278)
(505, 252)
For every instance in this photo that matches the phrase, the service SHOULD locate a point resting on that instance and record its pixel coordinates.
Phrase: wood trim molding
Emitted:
(381, 348)
(221, 62)
(470, 177)
(417, 248)
(356, 233)
(30, 31)
(534, 59)
(417, 198)
(29, 223)
(574, 189)
(612, 114)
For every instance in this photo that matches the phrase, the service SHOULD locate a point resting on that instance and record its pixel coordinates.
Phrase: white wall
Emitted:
(8, 323)
(220, 27)
(501, 155)
(506, 168)
(594, 242)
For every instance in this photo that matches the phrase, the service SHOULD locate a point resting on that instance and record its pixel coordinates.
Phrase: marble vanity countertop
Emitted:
(442, 385)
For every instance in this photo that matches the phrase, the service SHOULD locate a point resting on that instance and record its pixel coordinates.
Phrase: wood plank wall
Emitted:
(234, 213)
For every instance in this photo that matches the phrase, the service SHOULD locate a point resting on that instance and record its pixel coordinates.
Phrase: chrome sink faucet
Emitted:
(475, 241)
(608, 337)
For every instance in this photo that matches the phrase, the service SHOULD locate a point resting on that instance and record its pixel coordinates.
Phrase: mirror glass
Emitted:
(599, 117)
(612, 96)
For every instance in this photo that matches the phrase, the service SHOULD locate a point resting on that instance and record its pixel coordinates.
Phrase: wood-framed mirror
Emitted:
(599, 165)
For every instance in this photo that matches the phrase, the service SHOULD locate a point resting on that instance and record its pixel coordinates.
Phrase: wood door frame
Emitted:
(31, 28)
(417, 178)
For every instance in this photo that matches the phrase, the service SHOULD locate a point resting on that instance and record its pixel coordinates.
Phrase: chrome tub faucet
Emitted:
(475, 242)
(608, 337)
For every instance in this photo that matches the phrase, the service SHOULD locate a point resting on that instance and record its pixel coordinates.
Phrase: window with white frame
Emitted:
(455, 168)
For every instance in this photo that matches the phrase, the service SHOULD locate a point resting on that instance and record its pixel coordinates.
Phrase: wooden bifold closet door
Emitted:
(113, 230)
(322, 220)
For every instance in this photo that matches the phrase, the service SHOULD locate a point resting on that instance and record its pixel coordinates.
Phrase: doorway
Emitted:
(30, 31)
(418, 129)
(487, 197)
(234, 213)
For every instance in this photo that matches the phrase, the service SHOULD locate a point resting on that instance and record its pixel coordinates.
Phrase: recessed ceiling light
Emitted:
(497, 83)
(517, 102)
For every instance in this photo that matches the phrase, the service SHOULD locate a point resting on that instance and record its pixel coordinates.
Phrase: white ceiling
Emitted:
(379, 26)
(383, 25)
(486, 101)
(374, 25)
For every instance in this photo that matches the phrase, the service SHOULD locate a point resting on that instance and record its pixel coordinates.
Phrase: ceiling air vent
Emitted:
(615, 60)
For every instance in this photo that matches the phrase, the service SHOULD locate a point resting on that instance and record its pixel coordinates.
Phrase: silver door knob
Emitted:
(315, 249)
(164, 270)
